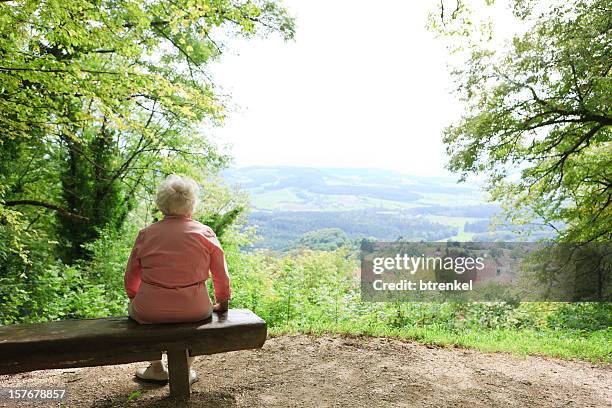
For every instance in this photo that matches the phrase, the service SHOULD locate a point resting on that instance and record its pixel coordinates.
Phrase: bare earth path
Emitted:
(305, 371)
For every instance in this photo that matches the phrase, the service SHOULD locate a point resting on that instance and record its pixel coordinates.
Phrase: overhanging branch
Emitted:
(49, 206)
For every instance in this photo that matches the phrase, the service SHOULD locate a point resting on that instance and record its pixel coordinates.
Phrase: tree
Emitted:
(538, 113)
(324, 239)
(100, 98)
(128, 64)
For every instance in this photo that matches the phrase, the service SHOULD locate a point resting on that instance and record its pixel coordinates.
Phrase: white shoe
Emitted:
(193, 376)
(150, 374)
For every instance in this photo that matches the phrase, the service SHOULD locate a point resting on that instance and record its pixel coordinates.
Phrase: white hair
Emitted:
(177, 195)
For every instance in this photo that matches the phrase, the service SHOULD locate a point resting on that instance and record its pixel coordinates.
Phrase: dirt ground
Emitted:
(305, 371)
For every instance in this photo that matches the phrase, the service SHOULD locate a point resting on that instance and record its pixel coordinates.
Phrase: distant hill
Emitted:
(303, 189)
(290, 203)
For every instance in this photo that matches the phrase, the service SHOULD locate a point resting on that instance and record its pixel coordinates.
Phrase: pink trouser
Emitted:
(156, 304)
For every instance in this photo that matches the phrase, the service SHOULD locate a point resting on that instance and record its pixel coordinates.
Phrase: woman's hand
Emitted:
(221, 307)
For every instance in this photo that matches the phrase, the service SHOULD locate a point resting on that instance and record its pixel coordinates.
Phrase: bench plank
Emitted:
(118, 340)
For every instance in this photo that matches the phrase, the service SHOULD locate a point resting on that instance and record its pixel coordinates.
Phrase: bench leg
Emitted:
(179, 374)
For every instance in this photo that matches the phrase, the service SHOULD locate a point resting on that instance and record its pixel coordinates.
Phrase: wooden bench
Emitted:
(120, 340)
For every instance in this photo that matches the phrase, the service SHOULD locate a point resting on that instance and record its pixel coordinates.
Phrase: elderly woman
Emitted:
(166, 273)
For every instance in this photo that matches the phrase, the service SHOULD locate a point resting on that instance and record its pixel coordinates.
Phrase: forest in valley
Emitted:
(294, 205)
(101, 100)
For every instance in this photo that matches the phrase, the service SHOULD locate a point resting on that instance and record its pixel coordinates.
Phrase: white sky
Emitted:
(364, 84)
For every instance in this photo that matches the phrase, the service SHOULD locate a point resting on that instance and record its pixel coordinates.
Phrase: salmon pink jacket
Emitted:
(167, 270)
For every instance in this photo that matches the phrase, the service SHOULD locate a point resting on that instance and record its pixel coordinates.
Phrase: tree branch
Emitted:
(50, 206)
(56, 70)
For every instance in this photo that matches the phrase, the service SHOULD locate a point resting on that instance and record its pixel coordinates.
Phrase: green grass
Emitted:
(458, 222)
(461, 236)
(275, 200)
(594, 347)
